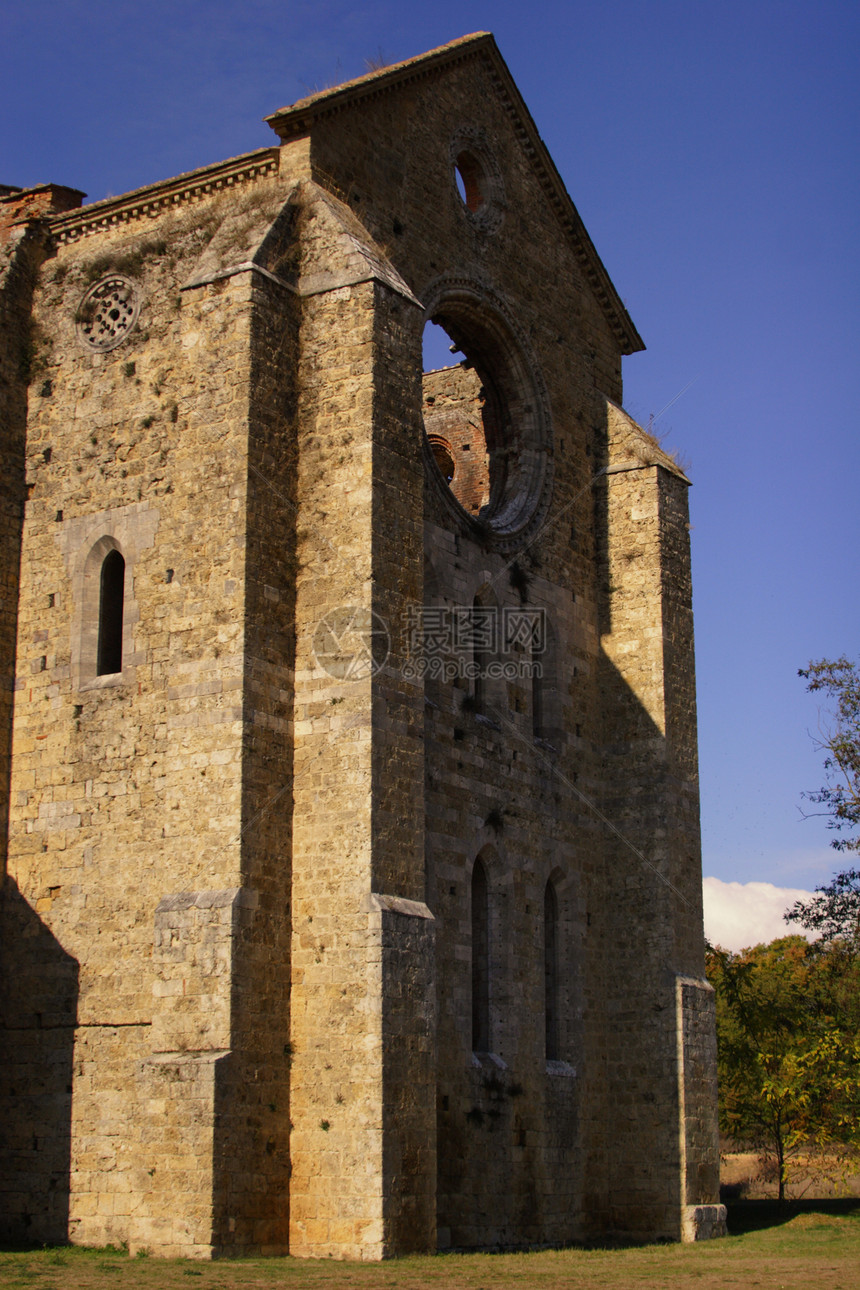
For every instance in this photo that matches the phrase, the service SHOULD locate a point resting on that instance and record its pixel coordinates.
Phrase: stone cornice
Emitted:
(155, 199)
(298, 119)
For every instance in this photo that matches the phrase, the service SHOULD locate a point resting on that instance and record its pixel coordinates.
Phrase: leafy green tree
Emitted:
(788, 1050)
(834, 911)
(788, 1013)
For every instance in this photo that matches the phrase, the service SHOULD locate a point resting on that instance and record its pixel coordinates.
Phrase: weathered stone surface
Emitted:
(243, 980)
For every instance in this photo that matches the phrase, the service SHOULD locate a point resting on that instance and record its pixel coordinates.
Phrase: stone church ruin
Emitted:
(352, 903)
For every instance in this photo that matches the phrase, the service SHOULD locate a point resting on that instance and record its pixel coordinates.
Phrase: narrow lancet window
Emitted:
(111, 596)
(480, 961)
(484, 643)
(550, 969)
(537, 702)
(479, 660)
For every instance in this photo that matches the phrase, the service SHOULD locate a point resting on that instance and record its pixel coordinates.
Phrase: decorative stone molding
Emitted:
(154, 200)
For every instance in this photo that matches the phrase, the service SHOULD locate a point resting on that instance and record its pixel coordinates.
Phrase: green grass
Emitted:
(812, 1244)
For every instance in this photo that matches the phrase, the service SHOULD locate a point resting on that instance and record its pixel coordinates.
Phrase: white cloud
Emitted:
(739, 914)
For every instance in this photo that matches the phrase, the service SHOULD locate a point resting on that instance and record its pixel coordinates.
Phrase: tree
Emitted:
(788, 1045)
(834, 912)
(788, 1013)
(840, 742)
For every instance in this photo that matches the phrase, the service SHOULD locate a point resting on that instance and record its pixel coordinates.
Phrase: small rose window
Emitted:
(108, 312)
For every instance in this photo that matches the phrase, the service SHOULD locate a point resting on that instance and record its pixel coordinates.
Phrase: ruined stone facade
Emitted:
(352, 903)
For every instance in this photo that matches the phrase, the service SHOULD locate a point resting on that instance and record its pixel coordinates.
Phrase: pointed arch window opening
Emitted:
(479, 660)
(537, 703)
(111, 603)
(483, 648)
(480, 961)
(550, 943)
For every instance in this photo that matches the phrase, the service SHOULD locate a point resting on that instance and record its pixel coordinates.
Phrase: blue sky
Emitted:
(712, 152)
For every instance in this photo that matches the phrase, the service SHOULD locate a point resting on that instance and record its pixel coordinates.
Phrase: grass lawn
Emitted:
(812, 1245)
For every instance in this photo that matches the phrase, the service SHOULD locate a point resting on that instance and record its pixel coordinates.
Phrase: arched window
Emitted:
(546, 700)
(537, 701)
(480, 961)
(443, 456)
(111, 596)
(484, 645)
(550, 970)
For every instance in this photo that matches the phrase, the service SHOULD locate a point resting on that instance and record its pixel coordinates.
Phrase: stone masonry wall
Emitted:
(240, 869)
(128, 789)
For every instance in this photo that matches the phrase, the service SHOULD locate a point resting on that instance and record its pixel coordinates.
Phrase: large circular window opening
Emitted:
(485, 414)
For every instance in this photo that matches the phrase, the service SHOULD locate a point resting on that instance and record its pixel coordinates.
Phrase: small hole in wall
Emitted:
(52, 599)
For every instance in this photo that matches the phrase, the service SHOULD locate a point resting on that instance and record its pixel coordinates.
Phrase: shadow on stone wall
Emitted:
(38, 1012)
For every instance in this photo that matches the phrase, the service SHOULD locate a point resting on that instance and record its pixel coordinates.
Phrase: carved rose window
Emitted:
(108, 313)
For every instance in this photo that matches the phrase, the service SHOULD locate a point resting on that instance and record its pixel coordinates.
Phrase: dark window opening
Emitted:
(469, 176)
(482, 653)
(443, 458)
(111, 596)
(480, 961)
(462, 415)
(550, 968)
(537, 702)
